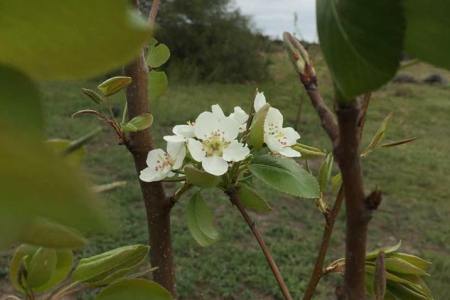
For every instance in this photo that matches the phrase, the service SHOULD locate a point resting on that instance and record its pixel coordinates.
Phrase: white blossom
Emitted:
(278, 139)
(161, 163)
(215, 142)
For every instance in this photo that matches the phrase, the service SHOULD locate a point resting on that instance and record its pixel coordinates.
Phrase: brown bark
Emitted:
(348, 156)
(156, 202)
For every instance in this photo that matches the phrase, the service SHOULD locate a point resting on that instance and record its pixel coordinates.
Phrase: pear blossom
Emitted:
(181, 133)
(215, 143)
(238, 115)
(278, 139)
(161, 163)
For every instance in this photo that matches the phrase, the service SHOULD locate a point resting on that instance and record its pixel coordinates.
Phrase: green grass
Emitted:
(415, 180)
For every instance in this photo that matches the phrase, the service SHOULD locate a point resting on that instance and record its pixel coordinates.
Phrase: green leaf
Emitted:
(41, 267)
(114, 85)
(97, 268)
(398, 265)
(325, 172)
(20, 101)
(139, 123)
(387, 250)
(362, 52)
(71, 39)
(402, 291)
(428, 25)
(256, 135)
(336, 182)
(378, 136)
(308, 152)
(41, 232)
(285, 175)
(158, 55)
(136, 289)
(93, 95)
(200, 221)
(200, 178)
(252, 201)
(59, 146)
(64, 260)
(158, 84)
(17, 263)
(414, 260)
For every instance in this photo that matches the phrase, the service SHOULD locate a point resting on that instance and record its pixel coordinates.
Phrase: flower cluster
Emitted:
(215, 141)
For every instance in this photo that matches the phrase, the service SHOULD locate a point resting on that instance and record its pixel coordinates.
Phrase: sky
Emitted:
(273, 17)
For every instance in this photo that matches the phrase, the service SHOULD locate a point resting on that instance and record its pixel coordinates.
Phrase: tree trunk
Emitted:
(156, 202)
(347, 153)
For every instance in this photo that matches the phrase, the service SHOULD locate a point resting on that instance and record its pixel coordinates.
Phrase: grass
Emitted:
(415, 180)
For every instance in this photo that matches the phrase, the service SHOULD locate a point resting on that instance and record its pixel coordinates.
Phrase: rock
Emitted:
(435, 79)
(404, 78)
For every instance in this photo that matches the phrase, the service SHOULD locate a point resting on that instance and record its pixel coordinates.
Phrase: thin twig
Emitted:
(153, 12)
(326, 237)
(234, 198)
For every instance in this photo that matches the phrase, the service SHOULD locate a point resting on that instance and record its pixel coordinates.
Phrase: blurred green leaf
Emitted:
(308, 152)
(135, 289)
(256, 135)
(97, 268)
(158, 55)
(336, 182)
(387, 250)
(62, 42)
(158, 84)
(138, 123)
(414, 260)
(378, 136)
(41, 267)
(20, 101)
(59, 146)
(428, 25)
(325, 172)
(251, 200)
(51, 235)
(17, 261)
(200, 178)
(285, 175)
(398, 265)
(200, 221)
(361, 51)
(114, 85)
(93, 95)
(64, 261)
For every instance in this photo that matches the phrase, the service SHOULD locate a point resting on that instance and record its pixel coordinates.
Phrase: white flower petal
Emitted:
(230, 129)
(274, 119)
(196, 149)
(177, 153)
(240, 116)
(273, 143)
(235, 151)
(154, 156)
(215, 165)
(186, 131)
(205, 124)
(260, 101)
(174, 138)
(150, 175)
(291, 135)
(158, 166)
(217, 111)
(289, 152)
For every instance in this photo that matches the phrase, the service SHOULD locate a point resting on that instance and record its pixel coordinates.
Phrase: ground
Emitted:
(414, 178)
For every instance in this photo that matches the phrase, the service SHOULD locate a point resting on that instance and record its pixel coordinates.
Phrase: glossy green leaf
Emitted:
(200, 178)
(93, 95)
(398, 265)
(97, 268)
(114, 85)
(252, 201)
(158, 55)
(158, 84)
(139, 123)
(414, 260)
(71, 39)
(362, 52)
(51, 235)
(200, 221)
(64, 260)
(428, 25)
(135, 289)
(20, 101)
(325, 172)
(285, 175)
(256, 135)
(41, 267)
(387, 250)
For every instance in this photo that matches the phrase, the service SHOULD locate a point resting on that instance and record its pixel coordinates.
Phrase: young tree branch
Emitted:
(234, 198)
(326, 237)
(153, 12)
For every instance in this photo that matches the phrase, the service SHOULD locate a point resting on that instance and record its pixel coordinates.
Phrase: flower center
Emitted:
(276, 132)
(164, 162)
(215, 144)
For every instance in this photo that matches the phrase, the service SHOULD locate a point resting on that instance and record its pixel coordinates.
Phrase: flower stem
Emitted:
(234, 198)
